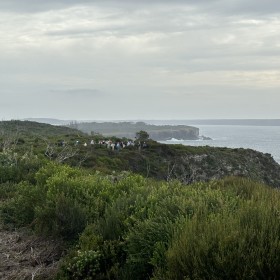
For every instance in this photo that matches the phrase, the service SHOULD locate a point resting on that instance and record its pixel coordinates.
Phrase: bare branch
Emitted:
(65, 153)
(170, 171)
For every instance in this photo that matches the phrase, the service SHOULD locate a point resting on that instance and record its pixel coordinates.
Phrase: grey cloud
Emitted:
(83, 32)
(42, 5)
(111, 59)
(79, 93)
(259, 7)
(254, 7)
(238, 7)
(31, 6)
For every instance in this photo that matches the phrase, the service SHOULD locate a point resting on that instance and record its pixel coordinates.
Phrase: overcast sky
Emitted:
(177, 59)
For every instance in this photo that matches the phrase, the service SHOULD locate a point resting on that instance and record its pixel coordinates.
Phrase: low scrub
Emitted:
(124, 226)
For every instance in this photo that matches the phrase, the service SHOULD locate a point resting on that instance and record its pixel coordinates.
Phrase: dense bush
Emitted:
(124, 226)
(241, 245)
(20, 208)
(16, 167)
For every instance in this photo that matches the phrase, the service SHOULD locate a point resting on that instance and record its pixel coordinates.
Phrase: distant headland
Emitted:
(129, 129)
(189, 122)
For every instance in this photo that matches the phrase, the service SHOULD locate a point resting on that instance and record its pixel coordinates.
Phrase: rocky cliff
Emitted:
(194, 164)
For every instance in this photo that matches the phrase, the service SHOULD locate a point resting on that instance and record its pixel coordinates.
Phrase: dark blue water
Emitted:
(265, 139)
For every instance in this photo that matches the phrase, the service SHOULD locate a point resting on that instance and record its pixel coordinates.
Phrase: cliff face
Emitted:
(193, 164)
(221, 163)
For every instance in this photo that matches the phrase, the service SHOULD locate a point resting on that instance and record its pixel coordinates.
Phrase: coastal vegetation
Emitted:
(124, 214)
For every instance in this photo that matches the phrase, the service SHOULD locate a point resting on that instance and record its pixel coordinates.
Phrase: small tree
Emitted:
(142, 136)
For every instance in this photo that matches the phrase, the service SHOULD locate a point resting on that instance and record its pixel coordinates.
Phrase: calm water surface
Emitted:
(265, 139)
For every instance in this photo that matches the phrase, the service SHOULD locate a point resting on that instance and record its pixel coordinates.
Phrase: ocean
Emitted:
(265, 139)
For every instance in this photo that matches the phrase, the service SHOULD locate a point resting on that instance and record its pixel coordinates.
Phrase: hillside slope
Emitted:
(188, 164)
(185, 163)
(29, 128)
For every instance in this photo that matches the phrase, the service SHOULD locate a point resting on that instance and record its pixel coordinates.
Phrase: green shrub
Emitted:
(245, 245)
(7, 190)
(84, 266)
(20, 209)
(16, 168)
(107, 257)
(61, 217)
(146, 244)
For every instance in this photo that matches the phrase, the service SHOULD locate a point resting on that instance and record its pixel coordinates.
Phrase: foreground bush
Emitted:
(127, 227)
(241, 245)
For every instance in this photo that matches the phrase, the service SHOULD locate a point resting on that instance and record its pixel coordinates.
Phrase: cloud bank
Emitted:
(140, 60)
